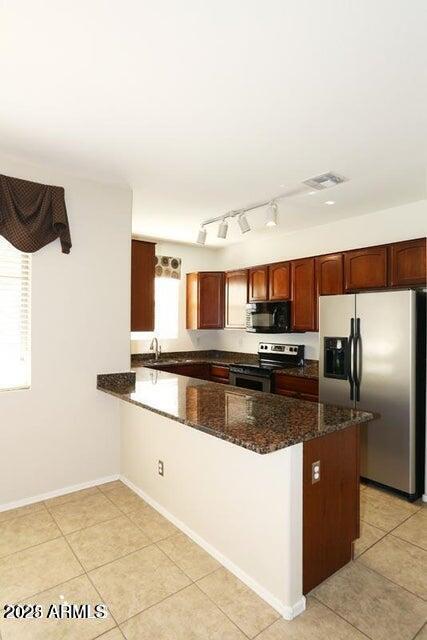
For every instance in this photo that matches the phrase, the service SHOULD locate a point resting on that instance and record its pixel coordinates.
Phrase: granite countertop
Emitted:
(309, 370)
(261, 422)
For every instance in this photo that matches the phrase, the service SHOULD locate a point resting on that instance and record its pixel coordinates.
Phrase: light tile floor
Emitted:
(107, 545)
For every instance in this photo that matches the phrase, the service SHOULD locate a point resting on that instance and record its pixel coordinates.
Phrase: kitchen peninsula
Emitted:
(269, 485)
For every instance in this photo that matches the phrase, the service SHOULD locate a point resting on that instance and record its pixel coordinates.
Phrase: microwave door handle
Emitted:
(350, 357)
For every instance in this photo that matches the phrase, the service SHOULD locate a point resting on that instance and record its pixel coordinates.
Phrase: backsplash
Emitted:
(242, 341)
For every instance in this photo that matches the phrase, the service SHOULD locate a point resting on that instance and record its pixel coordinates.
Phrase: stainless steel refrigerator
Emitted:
(372, 357)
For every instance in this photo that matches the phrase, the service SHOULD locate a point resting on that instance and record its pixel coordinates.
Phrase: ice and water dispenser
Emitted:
(335, 358)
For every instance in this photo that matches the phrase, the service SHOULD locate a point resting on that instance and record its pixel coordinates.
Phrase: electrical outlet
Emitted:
(161, 468)
(315, 472)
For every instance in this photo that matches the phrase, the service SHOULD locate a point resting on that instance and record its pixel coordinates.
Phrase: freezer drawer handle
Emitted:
(356, 359)
(350, 357)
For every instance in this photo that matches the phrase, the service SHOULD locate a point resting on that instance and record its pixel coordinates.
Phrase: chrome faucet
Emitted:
(154, 346)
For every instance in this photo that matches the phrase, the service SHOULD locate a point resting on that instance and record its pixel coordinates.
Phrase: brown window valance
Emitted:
(32, 215)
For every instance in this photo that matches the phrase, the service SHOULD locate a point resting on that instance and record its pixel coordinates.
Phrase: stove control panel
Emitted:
(277, 354)
(285, 349)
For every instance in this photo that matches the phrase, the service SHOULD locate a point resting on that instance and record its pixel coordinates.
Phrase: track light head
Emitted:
(271, 214)
(222, 229)
(201, 236)
(243, 223)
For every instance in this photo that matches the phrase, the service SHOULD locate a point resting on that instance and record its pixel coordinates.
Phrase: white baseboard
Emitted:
(58, 492)
(424, 498)
(288, 612)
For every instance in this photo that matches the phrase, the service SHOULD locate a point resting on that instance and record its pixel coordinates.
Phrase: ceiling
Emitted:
(203, 107)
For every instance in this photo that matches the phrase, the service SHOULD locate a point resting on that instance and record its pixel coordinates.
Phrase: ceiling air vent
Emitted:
(324, 181)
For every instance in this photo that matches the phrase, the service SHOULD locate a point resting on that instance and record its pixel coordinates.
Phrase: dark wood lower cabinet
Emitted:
(330, 505)
(219, 373)
(296, 387)
(202, 370)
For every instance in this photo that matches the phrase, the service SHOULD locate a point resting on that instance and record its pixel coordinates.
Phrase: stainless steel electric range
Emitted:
(271, 356)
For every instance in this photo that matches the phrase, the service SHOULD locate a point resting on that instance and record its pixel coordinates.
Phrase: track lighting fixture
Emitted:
(243, 223)
(201, 236)
(271, 214)
(323, 181)
(223, 228)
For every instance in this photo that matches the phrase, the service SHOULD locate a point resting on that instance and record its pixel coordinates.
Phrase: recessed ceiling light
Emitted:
(311, 193)
(330, 202)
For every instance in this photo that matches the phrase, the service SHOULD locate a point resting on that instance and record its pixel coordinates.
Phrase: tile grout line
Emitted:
(182, 570)
(341, 616)
(22, 515)
(222, 611)
(419, 630)
(370, 546)
(270, 625)
(90, 580)
(394, 583)
(195, 582)
(134, 615)
(32, 546)
(126, 555)
(412, 544)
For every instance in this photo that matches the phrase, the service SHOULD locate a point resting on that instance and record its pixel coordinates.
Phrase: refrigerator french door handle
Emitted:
(356, 359)
(350, 359)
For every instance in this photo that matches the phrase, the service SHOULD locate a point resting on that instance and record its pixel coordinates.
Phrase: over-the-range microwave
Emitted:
(268, 317)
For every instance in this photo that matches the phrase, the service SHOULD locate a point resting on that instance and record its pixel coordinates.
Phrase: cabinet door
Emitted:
(258, 284)
(408, 263)
(279, 277)
(211, 300)
(142, 286)
(330, 274)
(365, 268)
(236, 298)
(303, 295)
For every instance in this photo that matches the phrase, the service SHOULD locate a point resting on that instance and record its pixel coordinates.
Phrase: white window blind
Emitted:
(15, 321)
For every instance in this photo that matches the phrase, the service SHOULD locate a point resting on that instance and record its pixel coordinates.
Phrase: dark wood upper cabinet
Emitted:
(407, 263)
(142, 286)
(258, 284)
(236, 297)
(279, 279)
(205, 300)
(330, 274)
(304, 299)
(365, 268)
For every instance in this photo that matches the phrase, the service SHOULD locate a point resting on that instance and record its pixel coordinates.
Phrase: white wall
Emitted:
(63, 431)
(243, 507)
(193, 259)
(399, 223)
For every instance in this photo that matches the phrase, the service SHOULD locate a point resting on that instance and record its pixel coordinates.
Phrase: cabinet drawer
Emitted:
(217, 371)
(219, 380)
(308, 386)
